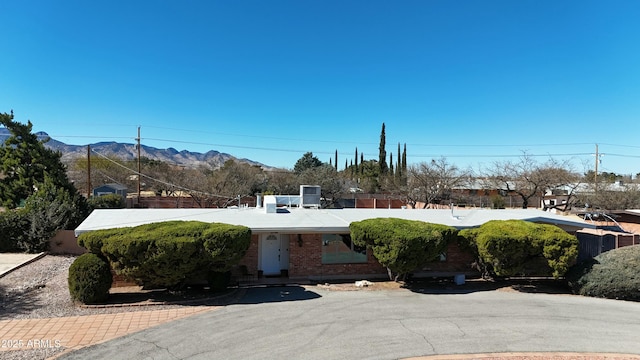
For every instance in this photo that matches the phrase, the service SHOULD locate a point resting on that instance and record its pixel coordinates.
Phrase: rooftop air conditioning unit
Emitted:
(309, 195)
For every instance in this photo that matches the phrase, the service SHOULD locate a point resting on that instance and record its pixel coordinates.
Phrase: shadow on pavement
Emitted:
(258, 295)
(134, 295)
(448, 287)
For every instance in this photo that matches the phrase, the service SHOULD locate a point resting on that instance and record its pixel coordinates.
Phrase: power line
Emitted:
(161, 181)
(342, 153)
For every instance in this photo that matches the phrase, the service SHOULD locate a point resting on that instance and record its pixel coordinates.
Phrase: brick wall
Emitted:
(457, 262)
(120, 280)
(250, 260)
(305, 261)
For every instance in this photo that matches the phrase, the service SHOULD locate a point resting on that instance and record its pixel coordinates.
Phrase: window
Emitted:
(339, 249)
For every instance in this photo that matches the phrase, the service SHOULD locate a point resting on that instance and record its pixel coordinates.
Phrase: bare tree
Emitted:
(529, 179)
(432, 182)
(282, 182)
(609, 196)
(562, 181)
(236, 179)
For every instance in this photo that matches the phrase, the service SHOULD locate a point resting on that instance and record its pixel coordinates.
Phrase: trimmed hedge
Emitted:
(517, 247)
(402, 245)
(90, 279)
(170, 254)
(614, 274)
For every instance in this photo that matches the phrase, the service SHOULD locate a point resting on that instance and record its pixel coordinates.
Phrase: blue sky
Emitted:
(473, 81)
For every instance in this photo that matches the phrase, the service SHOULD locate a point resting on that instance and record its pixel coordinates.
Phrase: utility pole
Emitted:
(595, 176)
(138, 140)
(89, 192)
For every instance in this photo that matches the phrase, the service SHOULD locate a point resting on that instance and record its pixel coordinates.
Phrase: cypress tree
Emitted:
(399, 165)
(404, 159)
(382, 157)
(356, 169)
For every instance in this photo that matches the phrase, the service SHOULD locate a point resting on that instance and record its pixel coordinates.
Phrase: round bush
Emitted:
(517, 248)
(90, 279)
(614, 274)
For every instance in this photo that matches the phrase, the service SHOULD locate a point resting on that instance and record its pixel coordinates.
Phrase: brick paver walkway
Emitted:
(78, 331)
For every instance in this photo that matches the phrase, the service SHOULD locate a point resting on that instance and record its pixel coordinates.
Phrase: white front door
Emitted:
(271, 255)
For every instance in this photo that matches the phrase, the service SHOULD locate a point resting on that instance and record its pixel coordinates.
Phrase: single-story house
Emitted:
(112, 188)
(313, 243)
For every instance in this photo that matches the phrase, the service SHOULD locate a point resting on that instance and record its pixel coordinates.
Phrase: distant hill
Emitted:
(125, 151)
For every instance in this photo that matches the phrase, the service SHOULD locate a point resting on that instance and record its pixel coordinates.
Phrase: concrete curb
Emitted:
(531, 356)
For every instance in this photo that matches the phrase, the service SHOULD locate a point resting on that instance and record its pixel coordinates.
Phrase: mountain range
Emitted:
(212, 159)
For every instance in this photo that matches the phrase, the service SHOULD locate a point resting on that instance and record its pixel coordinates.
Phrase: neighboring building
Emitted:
(306, 242)
(614, 229)
(110, 189)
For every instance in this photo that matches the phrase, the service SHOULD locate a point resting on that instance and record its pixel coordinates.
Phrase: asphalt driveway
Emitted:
(299, 323)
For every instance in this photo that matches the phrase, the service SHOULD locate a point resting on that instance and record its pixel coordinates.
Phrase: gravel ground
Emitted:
(39, 290)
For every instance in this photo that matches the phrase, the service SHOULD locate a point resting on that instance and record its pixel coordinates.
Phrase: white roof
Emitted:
(302, 220)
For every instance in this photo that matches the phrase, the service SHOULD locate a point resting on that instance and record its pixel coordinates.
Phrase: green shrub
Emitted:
(90, 279)
(14, 226)
(226, 244)
(108, 201)
(614, 274)
(46, 211)
(49, 209)
(169, 254)
(402, 245)
(92, 240)
(516, 247)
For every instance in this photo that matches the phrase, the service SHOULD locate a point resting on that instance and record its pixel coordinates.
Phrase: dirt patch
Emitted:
(367, 286)
(439, 286)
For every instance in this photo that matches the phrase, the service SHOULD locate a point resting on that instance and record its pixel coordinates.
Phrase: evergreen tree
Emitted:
(307, 161)
(336, 162)
(382, 158)
(404, 160)
(404, 165)
(399, 165)
(391, 164)
(25, 162)
(356, 169)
